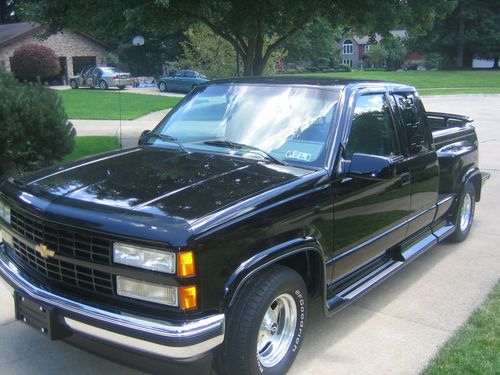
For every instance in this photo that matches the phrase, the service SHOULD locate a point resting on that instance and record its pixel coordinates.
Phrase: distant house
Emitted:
(353, 48)
(75, 50)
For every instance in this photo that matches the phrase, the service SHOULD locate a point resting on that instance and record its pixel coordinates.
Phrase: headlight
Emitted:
(5, 212)
(157, 293)
(143, 257)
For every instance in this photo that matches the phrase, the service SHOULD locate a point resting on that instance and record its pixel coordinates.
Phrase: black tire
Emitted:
(121, 87)
(103, 85)
(162, 86)
(273, 294)
(73, 84)
(465, 213)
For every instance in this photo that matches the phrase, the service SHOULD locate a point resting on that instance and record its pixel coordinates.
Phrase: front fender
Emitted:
(267, 258)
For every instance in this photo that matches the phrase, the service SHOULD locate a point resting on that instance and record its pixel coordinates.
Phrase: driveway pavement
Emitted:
(394, 329)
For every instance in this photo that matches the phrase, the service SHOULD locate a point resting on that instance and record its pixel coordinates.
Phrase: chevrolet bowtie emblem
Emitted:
(44, 251)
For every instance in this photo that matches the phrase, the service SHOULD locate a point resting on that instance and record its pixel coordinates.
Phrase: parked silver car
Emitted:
(102, 77)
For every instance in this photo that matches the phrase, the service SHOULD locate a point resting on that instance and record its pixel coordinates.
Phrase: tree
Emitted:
(377, 55)
(471, 30)
(7, 12)
(213, 55)
(244, 24)
(34, 61)
(314, 44)
(396, 51)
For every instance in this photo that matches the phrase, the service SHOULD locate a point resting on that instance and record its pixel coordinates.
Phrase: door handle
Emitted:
(405, 179)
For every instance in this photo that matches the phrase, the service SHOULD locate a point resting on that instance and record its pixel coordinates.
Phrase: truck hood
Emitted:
(161, 181)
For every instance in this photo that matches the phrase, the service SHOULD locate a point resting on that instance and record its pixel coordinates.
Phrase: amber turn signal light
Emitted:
(185, 264)
(188, 297)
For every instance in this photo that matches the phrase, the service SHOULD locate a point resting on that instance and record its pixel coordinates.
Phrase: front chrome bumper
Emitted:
(172, 340)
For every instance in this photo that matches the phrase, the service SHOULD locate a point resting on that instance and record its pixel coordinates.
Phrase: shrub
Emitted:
(34, 129)
(433, 61)
(345, 68)
(33, 61)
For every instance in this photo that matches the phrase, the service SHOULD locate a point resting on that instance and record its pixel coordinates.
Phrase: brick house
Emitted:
(75, 50)
(353, 48)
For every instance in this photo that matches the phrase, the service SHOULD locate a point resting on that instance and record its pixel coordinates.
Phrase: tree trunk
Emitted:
(3, 11)
(495, 63)
(461, 37)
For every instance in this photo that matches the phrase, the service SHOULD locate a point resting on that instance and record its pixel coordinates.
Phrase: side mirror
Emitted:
(371, 167)
(143, 137)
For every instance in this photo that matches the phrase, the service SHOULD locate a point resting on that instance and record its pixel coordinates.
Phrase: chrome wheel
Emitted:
(163, 87)
(465, 212)
(277, 330)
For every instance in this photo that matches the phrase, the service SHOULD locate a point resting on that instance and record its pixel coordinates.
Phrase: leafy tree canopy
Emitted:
(244, 24)
(314, 44)
(480, 22)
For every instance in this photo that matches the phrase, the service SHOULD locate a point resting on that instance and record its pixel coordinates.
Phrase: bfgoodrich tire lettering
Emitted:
(266, 325)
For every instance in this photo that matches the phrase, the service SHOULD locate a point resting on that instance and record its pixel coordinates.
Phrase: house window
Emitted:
(368, 47)
(347, 62)
(347, 47)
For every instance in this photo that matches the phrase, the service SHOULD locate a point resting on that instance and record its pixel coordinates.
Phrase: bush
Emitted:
(345, 68)
(33, 61)
(34, 129)
(434, 61)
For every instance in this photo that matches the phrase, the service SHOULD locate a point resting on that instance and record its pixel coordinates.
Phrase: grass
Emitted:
(431, 82)
(86, 146)
(105, 105)
(475, 348)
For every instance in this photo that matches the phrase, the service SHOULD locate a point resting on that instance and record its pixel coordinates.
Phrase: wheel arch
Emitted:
(474, 177)
(305, 256)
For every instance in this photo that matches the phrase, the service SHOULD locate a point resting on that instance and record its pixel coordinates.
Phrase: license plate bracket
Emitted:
(39, 316)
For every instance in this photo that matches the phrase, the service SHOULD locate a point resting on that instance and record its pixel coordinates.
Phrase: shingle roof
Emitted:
(366, 39)
(12, 31)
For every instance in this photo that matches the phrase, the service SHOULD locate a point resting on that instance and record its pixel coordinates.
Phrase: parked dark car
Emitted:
(183, 81)
(251, 197)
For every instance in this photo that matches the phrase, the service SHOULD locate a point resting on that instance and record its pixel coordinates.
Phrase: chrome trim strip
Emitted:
(181, 352)
(445, 200)
(159, 329)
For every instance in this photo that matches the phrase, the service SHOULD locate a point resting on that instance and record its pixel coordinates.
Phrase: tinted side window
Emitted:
(414, 119)
(372, 128)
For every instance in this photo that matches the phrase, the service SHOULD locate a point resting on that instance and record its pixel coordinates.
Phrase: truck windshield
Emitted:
(288, 123)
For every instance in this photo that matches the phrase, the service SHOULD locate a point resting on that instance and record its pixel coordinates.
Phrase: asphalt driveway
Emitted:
(394, 329)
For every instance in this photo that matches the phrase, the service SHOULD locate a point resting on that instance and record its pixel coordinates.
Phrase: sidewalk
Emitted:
(130, 130)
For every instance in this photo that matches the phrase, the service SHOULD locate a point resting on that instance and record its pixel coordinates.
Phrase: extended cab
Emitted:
(205, 243)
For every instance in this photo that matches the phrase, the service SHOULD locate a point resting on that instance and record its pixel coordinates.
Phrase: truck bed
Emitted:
(447, 129)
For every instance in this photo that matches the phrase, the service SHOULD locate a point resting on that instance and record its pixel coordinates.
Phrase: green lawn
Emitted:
(105, 105)
(475, 348)
(86, 146)
(477, 81)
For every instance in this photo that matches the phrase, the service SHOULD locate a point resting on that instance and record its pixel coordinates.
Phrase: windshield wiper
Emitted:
(169, 138)
(237, 146)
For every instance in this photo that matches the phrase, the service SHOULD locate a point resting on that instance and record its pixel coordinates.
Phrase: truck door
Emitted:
(422, 160)
(370, 214)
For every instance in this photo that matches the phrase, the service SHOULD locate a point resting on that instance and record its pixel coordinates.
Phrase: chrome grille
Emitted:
(70, 243)
(65, 272)
(63, 240)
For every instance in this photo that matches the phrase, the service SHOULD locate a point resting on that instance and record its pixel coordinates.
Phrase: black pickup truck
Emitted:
(203, 245)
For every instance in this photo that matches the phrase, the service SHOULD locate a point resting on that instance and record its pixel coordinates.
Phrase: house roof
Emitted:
(366, 38)
(13, 31)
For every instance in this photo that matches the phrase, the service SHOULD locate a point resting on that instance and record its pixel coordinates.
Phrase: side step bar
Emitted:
(344, 297)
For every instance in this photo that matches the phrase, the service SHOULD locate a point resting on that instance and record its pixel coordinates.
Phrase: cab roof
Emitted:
(313, 81)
